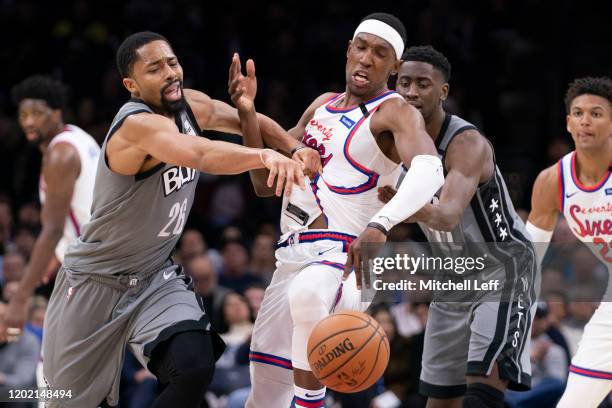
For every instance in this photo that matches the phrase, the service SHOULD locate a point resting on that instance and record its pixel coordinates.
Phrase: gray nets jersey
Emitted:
(490, 217)
(136, 221)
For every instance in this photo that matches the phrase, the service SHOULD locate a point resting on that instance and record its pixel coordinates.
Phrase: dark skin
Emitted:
(61, 167)
(370, 61)
(145, 140)
(468, 162)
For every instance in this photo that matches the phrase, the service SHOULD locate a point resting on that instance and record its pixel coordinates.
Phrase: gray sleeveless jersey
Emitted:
(489, 218)
(136, 221)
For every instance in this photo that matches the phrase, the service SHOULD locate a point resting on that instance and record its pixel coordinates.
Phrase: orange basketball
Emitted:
(348, 351)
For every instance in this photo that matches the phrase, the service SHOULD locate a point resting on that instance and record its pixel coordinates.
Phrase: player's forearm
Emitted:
(228, 158)
(252, 138)
(42, 253)
(424, 178)
(275, 136)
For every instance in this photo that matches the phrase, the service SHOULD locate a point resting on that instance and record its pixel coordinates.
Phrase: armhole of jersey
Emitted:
(561, 185)
(112, 131)
(193, 120)
(148, 173)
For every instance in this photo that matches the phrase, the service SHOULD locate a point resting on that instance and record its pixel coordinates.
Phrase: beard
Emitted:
(173, 106)
(36, 142)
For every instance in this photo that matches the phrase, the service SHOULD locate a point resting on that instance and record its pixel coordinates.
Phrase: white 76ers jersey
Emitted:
(588, 210)
(80, 206)
(353, 164)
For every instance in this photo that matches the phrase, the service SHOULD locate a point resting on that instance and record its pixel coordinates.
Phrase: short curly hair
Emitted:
(428, 54)
(601, 86)
(50, 90)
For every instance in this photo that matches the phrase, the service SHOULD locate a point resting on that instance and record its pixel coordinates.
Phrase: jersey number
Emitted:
(604, 248)
(177, 218)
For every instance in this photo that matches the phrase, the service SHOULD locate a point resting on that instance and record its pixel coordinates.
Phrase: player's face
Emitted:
(369, 62)
(37, 120)
(422, 86)
(590, 121)
(157, 77)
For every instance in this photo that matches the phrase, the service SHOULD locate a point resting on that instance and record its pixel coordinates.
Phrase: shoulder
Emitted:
(546, 187)
(396, 109)
(196, 97)
(61, 153)
(199, 102)
(322, 100)
(469, 140)
(316, 104)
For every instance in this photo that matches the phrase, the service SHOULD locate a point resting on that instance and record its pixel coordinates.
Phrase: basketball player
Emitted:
(579, 186)
(68, 169)
(484, 343)
(118, 286)
(362, 135)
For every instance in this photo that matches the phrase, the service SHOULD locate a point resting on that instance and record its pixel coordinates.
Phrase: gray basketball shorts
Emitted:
(468, 338)
(89, 324)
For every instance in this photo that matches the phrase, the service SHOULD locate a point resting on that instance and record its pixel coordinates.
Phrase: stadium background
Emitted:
(512, 61)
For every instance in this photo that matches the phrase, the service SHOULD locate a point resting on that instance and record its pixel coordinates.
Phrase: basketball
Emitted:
(348, 351)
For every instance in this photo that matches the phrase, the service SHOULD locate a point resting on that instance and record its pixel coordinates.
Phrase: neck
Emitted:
(592, 164)
(434, 123)
(59, 129)
(352, 100)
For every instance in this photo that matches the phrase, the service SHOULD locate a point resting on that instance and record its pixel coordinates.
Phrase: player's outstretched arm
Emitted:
(425, 175)
(242, 90)
(545, 208)
(215, 115)
(60, 171)
(150, 135)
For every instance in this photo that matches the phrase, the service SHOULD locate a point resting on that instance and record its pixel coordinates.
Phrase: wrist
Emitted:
(297, 148)
(379, 227)
(383, 221)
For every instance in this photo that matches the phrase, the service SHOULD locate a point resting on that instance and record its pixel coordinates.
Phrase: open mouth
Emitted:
(360, 78)
(31, 134)
(173, 91)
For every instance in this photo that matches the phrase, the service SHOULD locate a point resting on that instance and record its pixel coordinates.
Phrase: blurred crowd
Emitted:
(509, 76)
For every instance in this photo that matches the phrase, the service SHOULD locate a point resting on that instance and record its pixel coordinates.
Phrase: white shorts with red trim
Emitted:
(318, 257)
(594, 356)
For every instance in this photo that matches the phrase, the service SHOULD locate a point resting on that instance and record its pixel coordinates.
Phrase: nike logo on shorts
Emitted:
(327, 250)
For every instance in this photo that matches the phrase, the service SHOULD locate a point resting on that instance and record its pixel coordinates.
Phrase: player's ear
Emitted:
(396, 66)
(131, 86)
(348, 48)
(567, 124)
(445, 90)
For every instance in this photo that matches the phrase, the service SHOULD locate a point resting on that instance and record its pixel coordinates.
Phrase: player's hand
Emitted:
(242, 89)
(311, 160)
(14, 319)
(355, 256)
(286, 171)
(386, 193)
